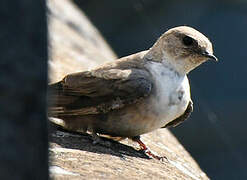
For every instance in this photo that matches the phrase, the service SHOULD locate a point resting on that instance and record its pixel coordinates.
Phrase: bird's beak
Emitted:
(210, 56)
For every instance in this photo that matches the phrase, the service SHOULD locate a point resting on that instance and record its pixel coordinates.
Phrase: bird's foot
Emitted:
(100, 141)
(149, 153)
(154, 156)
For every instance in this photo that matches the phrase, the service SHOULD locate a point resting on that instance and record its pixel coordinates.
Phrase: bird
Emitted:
(135, 94)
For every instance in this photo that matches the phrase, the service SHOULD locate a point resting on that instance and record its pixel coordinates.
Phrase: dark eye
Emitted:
(188, 41)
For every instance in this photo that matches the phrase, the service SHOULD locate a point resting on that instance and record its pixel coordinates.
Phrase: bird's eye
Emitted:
(187, 41)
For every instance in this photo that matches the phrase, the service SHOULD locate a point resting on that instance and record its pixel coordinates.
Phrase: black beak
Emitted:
(210, 56)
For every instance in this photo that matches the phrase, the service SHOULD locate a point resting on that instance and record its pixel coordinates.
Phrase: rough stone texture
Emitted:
(75, 44)
(23, 83)
(73, 156)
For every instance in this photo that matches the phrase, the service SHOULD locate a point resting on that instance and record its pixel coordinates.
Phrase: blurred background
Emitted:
(215, 135)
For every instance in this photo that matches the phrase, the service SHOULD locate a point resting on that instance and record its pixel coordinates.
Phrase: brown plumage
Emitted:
(135, 94)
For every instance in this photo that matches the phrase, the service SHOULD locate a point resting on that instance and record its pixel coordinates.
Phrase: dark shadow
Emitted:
(84, 142)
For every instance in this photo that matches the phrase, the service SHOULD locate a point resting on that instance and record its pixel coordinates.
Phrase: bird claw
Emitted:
(147, 151)
(151, 155)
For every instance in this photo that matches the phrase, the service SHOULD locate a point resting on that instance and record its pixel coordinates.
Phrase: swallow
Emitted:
(135, 94)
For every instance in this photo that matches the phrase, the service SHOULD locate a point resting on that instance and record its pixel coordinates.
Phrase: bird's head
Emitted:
(183, 47)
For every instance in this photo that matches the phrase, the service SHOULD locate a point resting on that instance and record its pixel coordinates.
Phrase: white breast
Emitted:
(172, 93)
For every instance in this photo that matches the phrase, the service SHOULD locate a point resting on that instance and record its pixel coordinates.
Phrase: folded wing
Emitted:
(99, 91)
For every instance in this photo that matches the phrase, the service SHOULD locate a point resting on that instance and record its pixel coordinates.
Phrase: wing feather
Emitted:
(98, 91)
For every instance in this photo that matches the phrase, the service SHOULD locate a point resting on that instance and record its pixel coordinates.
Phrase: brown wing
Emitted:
(181, 118)
(99, 91)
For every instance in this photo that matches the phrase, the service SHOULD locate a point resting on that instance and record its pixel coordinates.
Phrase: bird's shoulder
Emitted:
(129, 67)
(103, 89)
(136, 60)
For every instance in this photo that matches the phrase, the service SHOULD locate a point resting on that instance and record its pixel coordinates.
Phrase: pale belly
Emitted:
(144, 117)
(167, 102)
(171, 97)
(168, 108)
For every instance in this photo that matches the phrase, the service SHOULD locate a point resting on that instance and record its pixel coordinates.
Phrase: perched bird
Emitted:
(136, 94)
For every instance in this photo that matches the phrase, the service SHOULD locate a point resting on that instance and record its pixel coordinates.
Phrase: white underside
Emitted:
(172, 93)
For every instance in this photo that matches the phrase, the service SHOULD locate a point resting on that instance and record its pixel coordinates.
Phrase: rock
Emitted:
(74, 43)
(76, 46)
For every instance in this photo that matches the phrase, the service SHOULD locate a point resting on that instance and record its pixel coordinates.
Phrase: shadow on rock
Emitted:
(84, 142)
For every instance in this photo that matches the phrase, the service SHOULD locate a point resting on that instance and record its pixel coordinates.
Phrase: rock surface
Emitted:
(75, 45)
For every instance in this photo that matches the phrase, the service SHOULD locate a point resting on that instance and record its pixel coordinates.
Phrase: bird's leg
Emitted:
(99, 140)
(146, 150)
